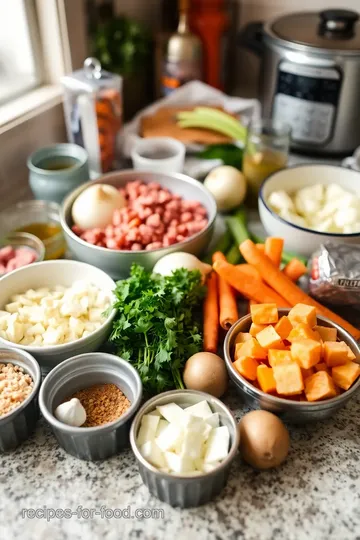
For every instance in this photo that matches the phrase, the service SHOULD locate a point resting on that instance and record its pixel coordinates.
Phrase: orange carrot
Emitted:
(228, 310)
(284, 286)
(295, 269)
(211, 315)
(248, 286)
(273, 249)
(261, 247)
(250, 271)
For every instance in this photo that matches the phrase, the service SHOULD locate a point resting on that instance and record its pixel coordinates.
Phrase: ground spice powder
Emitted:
(103, 403)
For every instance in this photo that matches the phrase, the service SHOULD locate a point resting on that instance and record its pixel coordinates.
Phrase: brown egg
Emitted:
(264, 440)
(206, 372)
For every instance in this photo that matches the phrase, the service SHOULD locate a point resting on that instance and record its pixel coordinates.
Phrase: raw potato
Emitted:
(206, 372)
(264, 440)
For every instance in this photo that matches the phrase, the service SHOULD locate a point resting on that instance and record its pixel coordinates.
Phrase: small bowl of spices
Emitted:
(20, 380)
(89, 401)
(39, 218)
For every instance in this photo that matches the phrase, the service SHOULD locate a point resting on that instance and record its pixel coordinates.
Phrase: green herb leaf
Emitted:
(157, 328)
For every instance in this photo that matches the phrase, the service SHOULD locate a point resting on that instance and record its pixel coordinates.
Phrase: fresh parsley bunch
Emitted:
(157, 326)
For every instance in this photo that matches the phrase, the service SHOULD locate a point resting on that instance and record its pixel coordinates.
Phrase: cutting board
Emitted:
(163, 124)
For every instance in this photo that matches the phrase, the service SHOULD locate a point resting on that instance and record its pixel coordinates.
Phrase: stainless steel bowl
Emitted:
(117, 263)
(17, 425)
(77, 373)
(296, 412)
(185, 491)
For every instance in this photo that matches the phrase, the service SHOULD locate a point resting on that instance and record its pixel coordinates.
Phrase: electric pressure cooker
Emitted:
(310, 77)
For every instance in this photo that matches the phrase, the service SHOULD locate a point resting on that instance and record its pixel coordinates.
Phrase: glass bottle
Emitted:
(183, 55)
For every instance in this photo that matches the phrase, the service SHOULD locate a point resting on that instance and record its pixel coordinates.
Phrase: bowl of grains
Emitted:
(20, 380)
(89, 401)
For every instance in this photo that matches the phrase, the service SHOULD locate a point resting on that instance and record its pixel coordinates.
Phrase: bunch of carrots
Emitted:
(259, 280)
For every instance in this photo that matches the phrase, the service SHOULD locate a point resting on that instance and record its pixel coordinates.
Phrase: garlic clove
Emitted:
(71, 413)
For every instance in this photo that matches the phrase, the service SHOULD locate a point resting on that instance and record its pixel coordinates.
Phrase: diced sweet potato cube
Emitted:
(279, 358)
(303, 331)
(247, 367)
(269, 338)
(288, 378)
(306, 352)
(264, 313)
(283, 327)
(326, 333)
(351, 355)
(307, 372)
(337, 353)
(345, 376)
(321, 366)
(256, 328)
(319, 386)
(242, 337)
(252, 348)
(302, 313)
(266, 379)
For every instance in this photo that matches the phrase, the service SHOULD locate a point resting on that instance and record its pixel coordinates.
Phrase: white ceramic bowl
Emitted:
(49, 274)
(299, 239)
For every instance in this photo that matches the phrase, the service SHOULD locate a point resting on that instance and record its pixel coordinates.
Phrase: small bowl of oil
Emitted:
(40, 218)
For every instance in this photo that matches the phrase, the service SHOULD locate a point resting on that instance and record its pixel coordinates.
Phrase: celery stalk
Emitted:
(205, 123)
(233, 256)
(237, 226)
(222, 245)
(221, 116)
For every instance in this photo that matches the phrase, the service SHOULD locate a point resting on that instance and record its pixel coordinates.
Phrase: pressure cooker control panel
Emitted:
(306, 98)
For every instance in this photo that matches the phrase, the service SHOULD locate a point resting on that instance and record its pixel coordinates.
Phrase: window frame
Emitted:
(55, 46)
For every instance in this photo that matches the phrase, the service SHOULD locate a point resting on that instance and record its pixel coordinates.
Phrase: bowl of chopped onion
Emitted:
(55, 310)
(308, 205)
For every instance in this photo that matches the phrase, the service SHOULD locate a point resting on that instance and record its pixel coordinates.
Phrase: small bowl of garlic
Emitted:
(311, 204)
(55, 310)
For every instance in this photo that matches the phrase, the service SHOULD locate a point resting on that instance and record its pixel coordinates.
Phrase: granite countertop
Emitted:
(314, 495)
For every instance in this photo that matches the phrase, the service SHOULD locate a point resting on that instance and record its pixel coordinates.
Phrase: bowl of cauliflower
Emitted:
(55, 310)
(311, 204)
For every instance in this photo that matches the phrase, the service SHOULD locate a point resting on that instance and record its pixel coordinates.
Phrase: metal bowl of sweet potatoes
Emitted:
(290, 409)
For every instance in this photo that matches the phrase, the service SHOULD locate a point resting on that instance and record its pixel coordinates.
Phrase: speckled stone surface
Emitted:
(314, 495)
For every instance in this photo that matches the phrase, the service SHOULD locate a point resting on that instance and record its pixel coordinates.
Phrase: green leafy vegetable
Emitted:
(157, 326)
(230, 154)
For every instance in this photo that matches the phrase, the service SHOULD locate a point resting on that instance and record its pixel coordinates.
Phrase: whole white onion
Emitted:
(95, 206)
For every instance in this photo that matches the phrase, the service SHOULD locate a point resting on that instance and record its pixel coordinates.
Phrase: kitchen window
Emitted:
(35, 51)
(40, 41)
(20, 55)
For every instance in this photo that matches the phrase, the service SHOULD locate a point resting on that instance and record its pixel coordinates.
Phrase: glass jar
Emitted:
(40, 218)
(266, 151)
